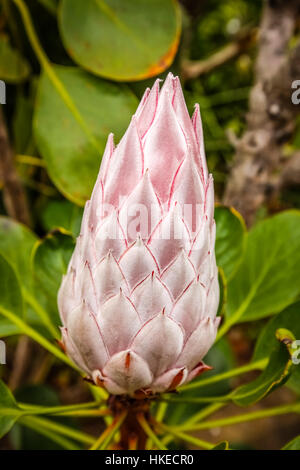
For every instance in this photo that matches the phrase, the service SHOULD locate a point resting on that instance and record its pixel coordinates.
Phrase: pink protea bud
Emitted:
(140, 297)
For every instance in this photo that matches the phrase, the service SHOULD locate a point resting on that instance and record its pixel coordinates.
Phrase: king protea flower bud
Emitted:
(140, 297)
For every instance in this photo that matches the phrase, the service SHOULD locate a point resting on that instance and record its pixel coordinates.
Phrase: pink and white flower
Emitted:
(139, 300)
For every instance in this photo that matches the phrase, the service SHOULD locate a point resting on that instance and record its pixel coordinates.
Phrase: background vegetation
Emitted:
(74, 71)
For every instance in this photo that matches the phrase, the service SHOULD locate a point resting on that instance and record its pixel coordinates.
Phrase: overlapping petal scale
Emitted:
(159, 342)
(139, 300)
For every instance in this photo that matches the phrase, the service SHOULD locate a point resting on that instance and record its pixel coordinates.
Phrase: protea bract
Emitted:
(139, 300)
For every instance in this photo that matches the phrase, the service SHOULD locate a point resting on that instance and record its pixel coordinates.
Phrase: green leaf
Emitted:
(293, 445)
(289, 319)
(62, 214)
(294, 380)
(50, 262)
(22, 123)
(275, 374)
(8, 329)
(11, 307)
(13, 67)
(11, 298)
(16, 245)
(230, 239)
(224, 445)
(116, 39)
(9, 411)
(72, 151)
(223, 291)
(38, 394)
(268, 278)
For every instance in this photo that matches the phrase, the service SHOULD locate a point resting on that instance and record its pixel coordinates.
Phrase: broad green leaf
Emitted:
(50, 262)
(289, 319)
(72, 145)
(268, 278)
(293, 445)
(11, 298)
(22, 123)
(223, 292)
(13, 67)
(16, 245)
(276, 373)
(294, 380)
(116, 39)
(63, 214)
(230, 239)
(8, 329)
(11, 304)
(7, 404)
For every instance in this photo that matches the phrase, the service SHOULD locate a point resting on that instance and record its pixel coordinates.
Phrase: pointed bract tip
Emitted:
(127, 360)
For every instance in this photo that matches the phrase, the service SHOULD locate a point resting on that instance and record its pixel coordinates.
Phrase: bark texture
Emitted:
(259, 163)
(13, 193)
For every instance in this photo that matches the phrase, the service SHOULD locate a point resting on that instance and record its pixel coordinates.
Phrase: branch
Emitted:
(290, 175)
(194, 68)
(13, 193)
(271, 117)
(20, 362)
(15, 201)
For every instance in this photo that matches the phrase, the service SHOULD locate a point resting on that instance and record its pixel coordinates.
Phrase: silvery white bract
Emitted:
(140, 297)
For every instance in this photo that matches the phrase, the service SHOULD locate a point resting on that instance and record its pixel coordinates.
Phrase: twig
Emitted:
(41, 368)
(15, 202)
(20, 362)
(194, 68)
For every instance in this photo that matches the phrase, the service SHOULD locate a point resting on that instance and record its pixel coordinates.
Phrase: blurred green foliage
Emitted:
(64, 95)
